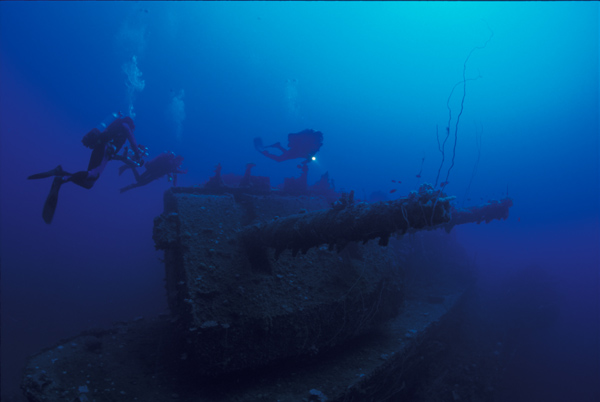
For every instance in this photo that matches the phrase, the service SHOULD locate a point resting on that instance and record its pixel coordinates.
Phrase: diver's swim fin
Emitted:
(123, 168)
(52, 200)
(129, 187)
(57, 171)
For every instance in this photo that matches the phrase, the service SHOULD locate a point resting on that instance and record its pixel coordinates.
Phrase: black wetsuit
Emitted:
(164, 164)
(110, 142)
(304, 144)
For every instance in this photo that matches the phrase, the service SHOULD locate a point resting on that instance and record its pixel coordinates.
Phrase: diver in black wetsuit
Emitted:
(166, 163)
(304, 144)
(105, 145)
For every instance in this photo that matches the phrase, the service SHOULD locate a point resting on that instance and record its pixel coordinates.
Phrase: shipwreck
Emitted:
(277, 297)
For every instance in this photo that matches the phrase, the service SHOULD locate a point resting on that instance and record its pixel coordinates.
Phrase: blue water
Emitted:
(204, 79)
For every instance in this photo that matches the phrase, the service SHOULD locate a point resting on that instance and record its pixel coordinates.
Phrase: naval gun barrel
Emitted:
(347, 221)
(493, 209)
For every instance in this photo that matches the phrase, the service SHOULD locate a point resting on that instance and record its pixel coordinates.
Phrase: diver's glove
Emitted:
(138, 160)
(143, 150)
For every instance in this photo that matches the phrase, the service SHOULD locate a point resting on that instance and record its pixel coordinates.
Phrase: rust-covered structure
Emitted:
(239, 310)
(278, 297)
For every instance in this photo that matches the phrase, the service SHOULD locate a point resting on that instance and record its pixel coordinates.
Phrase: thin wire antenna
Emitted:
(462, 102)
(443, 146)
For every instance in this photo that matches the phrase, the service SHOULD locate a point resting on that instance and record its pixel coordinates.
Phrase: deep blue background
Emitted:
(373, 77)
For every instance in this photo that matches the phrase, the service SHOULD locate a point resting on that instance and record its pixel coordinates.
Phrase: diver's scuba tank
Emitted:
(92, 138)
(108, 120)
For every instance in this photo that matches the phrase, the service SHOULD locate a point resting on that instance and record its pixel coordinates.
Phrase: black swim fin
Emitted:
(129, 187)
(123, 168)
(52, 200)
(57, 171)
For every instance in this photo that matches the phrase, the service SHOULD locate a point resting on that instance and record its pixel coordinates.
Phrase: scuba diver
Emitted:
(166, 163)
(104, 145)
(304, 144)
